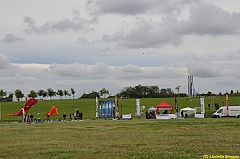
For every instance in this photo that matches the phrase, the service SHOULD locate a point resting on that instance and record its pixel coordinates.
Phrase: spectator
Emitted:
(70, 116)
(48, 117)
(64, 117)
(80, 115)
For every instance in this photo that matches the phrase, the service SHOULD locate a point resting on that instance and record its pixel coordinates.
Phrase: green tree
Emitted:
(104, 92)
(2, 94)
(51, 92)
(177, 89)
(60, 93)
(65, 92)
(45, 94)
(18, 94)
(10, 96)
(40, 92)
(73, 92)
(32, 94)
(209, 93)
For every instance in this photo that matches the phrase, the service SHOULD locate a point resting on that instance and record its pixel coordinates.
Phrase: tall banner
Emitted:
(23, 115)
(96, 107)
(227, 111)
(116, 107)
(138, 107)
(202, 106)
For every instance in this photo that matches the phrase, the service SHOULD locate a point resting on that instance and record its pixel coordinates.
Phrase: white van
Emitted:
(234, 111)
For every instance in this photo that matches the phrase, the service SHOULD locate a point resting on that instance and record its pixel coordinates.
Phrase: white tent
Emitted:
(187, 111)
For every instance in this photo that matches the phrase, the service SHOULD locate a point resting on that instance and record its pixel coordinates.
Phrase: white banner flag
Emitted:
(138, 107)
(202, 105)
(96, 107)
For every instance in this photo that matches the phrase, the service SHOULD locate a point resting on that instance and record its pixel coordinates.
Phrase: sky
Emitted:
(93, 44)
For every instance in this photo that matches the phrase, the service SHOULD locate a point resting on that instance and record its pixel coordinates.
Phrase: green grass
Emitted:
(186, 138)
(134, 139)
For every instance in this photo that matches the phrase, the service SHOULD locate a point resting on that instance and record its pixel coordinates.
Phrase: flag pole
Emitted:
(176, 105)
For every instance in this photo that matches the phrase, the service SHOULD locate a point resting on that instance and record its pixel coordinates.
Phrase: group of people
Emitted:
(76, 116)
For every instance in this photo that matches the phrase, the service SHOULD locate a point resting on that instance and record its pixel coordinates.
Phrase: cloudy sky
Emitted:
(93, 44)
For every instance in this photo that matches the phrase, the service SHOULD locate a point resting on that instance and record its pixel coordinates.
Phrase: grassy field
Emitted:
(137, 138)
(182, 138)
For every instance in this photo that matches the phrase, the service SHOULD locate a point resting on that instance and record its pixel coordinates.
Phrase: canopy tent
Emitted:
(164, 106)
(187, 111)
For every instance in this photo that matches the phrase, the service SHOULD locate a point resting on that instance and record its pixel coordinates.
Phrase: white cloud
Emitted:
(90, 45)
(4, 62)
(77, 23)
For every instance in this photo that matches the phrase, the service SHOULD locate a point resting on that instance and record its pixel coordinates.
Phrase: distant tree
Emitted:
(45, 94)
(177, 89)
(18, 94)
(65, 92)
(69, 94)
(10, 96)
(209, 93)
(60, 93)
(104, 92)
(73, 92)
(93, 94)
(2, 94)
(32, 94)
(51, 92)
(40, 92)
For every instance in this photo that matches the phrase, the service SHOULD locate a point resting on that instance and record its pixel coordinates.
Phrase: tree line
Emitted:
(138, 91)
(34, 94)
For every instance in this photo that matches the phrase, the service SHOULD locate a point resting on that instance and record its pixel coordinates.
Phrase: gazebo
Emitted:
(164, 106)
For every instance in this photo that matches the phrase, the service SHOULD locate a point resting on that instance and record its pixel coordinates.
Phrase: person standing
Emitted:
(23, 115)
(70, 116)
(64, 117)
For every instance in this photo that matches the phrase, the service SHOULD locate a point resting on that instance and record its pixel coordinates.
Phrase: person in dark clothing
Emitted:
(64, 117)
(182, 115)
(70, 116)
(31, 117)
(48, 117)
(80, 115)
(146, 114)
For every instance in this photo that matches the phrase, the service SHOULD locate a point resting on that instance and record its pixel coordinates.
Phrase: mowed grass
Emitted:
(182, 138)
(97, 138)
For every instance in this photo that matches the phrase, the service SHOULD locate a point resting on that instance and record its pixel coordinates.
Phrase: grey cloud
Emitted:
(135, 7)
(82, 40)
(4, 62)
(208, 19)
(126, 72)
(204, 19)
(147, 34)
(234, 55)
(77, 23)
(10, 38)
(201, 66)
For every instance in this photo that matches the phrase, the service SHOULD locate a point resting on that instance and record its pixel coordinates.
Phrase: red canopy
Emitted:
(164, 105)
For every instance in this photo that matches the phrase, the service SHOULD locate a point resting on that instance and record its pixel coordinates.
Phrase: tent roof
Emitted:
(187, 108)
(164, 105)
